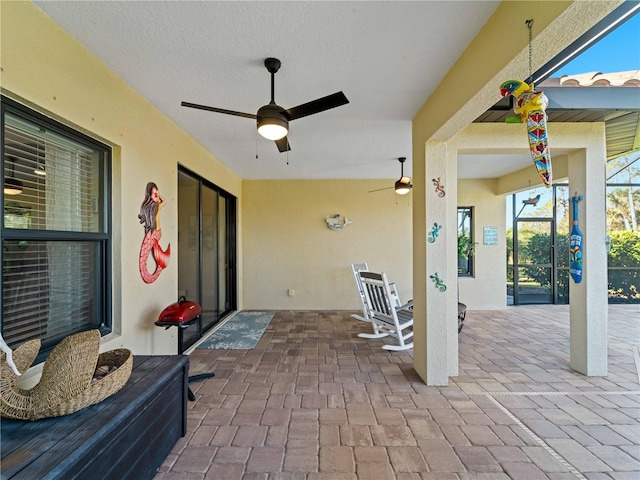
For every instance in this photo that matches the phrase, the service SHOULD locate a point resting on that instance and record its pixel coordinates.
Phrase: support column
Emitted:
(435, 267)
(588, 299)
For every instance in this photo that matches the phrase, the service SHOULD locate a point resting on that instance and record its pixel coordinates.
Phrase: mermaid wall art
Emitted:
(150, 217)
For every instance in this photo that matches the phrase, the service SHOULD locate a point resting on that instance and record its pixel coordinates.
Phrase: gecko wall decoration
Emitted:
(438, 281)
(433, 234)
(439, 187)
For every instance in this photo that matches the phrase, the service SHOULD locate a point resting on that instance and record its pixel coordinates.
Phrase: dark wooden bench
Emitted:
(127, 436)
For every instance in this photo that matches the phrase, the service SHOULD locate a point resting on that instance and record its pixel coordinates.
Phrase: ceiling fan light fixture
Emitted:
(403, 186)
(12, 186)
(272, 123)
(272, 131)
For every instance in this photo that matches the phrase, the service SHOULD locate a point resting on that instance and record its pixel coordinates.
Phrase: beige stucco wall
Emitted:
(47, 69)
(486, 290)
(288, 245)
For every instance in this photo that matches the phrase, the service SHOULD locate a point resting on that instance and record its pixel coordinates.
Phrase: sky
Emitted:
(619, 51)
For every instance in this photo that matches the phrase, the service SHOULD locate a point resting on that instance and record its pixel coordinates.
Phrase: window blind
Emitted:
(53, 241)
(59, 178)
(48, 289)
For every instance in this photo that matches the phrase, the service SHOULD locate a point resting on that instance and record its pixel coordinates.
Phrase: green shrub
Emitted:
(623, 263)
(624, 285)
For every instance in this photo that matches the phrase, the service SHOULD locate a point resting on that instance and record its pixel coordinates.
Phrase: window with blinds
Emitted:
(55, 231)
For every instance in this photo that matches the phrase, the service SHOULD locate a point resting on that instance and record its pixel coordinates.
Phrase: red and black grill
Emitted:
(182, 314)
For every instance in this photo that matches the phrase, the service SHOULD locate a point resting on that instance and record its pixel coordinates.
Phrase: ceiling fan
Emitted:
(403, 185)
(273, 120)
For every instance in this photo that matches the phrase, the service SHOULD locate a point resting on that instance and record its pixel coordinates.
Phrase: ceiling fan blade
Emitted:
(218, 110)
(380, 189)
(283, 144)
(317, 106)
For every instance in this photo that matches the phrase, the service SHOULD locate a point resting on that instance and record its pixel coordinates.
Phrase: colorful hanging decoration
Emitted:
(150, 217)
(439, 283)
(575, 243)
(433, 234)
(439, 187)
(530, 105)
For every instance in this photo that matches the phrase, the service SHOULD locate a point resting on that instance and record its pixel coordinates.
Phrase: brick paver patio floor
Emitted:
(313, 401)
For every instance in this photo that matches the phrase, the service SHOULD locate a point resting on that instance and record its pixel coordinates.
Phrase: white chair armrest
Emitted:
(406, 306)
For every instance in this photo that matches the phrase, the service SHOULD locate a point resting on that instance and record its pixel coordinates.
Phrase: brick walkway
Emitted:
(314, 402)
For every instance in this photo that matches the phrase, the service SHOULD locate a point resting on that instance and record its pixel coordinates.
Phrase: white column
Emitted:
(588, 299)
(435, 310)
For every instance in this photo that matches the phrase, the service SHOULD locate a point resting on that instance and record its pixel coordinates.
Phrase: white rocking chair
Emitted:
(363, 267)
(387, 319)
(355, 269)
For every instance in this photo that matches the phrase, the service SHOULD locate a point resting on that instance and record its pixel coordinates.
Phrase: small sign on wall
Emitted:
(490, 236)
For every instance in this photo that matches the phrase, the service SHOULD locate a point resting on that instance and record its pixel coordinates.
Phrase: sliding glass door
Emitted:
(206, 250)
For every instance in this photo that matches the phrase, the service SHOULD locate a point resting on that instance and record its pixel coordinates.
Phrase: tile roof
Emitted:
(629, 78)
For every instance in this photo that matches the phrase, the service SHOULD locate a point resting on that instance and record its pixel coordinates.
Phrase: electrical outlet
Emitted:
(291, 292)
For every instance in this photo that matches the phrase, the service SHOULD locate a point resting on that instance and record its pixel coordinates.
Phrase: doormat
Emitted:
(241, 332)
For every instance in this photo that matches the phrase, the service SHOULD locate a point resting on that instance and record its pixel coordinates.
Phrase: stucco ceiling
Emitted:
(387, 57)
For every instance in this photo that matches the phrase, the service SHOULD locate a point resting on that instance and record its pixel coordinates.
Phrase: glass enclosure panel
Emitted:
(465, 241)
(189, 247)
(534, 285)
(623, 228)
(533, 260)
(534, 242)
(209, 257)
(623, 233)
(562, 286)
(563, 229)
(206, 236)
(223, 258)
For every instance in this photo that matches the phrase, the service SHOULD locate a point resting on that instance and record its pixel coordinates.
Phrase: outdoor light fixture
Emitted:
(403, 186)
(12, 186)
(272, 123)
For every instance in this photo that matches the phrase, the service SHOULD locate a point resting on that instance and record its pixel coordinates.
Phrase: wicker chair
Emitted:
(66, 384)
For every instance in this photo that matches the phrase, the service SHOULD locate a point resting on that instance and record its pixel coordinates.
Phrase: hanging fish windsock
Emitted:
(531, 106)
